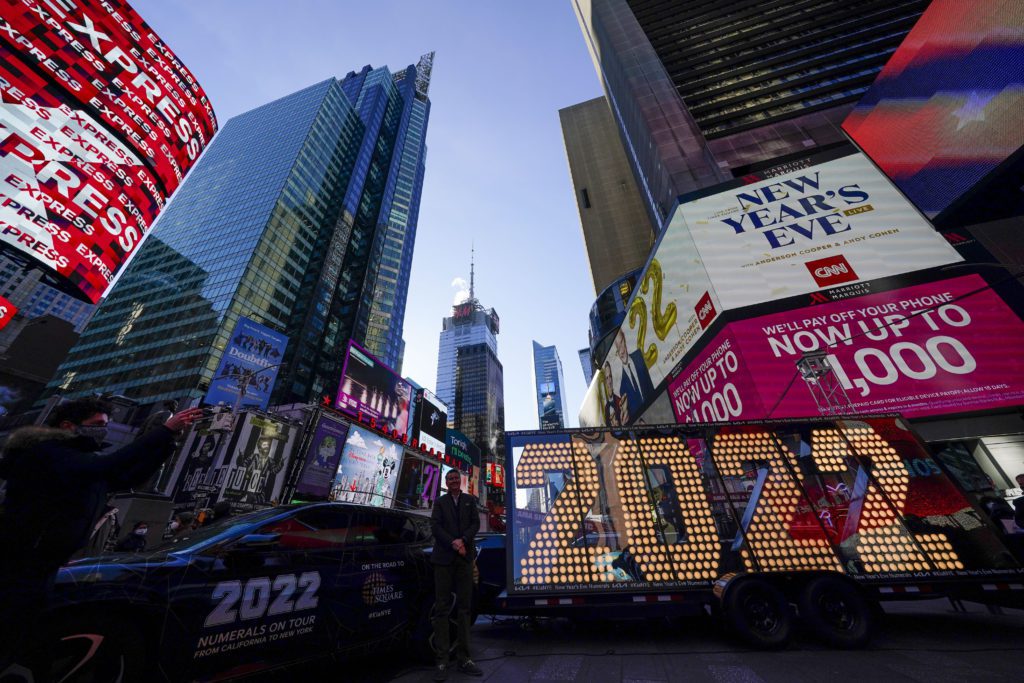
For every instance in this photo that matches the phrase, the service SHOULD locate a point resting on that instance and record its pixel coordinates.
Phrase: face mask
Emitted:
(175, 526)
(141, 532)
(95, 432)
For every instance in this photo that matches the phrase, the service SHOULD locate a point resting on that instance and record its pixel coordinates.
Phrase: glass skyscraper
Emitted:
(479, 405)
(550, 386)
(301, 215)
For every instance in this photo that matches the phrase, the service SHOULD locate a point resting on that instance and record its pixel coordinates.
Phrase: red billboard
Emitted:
(99, 122)
(938, 348)
(7, 311)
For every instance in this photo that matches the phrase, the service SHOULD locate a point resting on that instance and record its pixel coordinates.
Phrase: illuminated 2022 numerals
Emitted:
(553, 557)
(697, 557)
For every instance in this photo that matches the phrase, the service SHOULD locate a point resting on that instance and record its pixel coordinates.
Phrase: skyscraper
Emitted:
(702, 90)
(470, 323)
(550, 386)
(479, 406)
(301, 216)
(617, 232)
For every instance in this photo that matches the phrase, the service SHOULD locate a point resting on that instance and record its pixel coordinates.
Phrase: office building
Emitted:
(479, 405)
(469, 324)
(301, 216)
(587, 364)
(35, 295)
(703, 90)
(550, 387)
(617, 232)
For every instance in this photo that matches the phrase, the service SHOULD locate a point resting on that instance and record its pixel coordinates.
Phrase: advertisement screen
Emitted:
(373, 389)
(930, 349)
(946, 109)
(369, 469)
(322, 459)
(99, 123)
(658, 509)
(250, 363)
(833, 223)
(254, 475)
(7, 311)
(431, 420)
(418, 483)
(462, 448)
(190, 477)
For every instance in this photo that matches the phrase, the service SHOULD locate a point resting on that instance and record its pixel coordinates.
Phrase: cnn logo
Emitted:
(831, 271)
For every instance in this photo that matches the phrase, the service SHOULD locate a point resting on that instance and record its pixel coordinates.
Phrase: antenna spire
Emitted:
(472, 295)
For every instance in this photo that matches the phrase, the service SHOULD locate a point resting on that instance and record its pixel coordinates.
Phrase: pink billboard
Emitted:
(921, 350)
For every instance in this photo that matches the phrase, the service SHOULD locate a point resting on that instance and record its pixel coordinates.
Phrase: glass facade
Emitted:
(549, 384)
(470, 326)
(479, 405)
(301, 216)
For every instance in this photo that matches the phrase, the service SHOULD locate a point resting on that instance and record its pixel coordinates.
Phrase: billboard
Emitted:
(99, 123)
(929, 349)
(945, 111)
(431, 420)
(7, 312)
(832, 223)
(254, 470)
(373, 389)
(252, 358)
(323, 455)
(462, 448)
(369, 469)
(662, 508)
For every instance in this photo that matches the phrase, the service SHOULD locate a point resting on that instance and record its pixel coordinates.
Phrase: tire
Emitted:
(758, 614)
(95, 648)
(836, 613)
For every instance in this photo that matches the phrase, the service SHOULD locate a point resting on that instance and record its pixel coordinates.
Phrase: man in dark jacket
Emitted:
(57, 486)
(455, 522)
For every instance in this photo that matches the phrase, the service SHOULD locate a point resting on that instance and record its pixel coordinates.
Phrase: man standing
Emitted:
(455, 523)
(635, 385)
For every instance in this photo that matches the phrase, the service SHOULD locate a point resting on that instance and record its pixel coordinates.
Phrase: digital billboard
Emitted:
(369, 469)
(323, 456)
(662, 508)
(929, 349)
(431, 420)
(831, 223)
(248, 366)
(7, 312)
(99, 123)
(254, 470)
(462, 448)
(373, 389)
(945, 111)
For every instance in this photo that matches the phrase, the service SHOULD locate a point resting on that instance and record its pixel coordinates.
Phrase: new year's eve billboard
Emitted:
(945, 111)
(373, 389)
(99, 123)
(943, 347)
(832, 223)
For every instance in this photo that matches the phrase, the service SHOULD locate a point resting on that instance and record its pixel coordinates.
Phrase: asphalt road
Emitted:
(925, 641)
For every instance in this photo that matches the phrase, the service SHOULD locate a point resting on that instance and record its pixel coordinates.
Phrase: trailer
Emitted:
(761, 523)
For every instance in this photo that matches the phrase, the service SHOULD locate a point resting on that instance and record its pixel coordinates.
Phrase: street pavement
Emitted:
(927, 641)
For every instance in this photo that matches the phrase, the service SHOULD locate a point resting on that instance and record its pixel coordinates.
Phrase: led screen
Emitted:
(249, 365)
(369, 469)
(370, 388)
(323, 455)
(99, 123)
(938, 348)
(431, 420)
(655, 508)
(946, 109)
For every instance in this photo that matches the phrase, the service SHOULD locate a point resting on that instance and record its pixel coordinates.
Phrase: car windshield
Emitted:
(209, 534)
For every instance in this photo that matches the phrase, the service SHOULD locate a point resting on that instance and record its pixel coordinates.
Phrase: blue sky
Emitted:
(497, 174)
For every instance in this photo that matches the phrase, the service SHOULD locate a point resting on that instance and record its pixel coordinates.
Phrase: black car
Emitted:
(255, 592)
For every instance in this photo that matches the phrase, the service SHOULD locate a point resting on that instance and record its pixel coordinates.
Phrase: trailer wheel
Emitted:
(836, 612)
(758, 613)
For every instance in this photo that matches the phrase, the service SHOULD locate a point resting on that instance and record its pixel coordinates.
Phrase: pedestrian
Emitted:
(221, 511)
(135, 541)
(455, 524)
(181, 524)
(57, 487)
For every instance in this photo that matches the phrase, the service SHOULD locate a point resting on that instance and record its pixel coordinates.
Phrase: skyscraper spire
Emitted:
(472, 295)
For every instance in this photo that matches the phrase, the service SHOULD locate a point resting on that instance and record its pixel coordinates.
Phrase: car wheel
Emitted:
(835, 612)
(758, 613)
(94, 649)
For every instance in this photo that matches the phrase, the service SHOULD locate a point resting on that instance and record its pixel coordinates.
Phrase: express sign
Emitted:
(99, 122)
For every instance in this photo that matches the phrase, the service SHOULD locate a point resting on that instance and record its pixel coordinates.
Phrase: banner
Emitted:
(369, 469)
(254, 475)
(431, 420)
(943, 347)
(7, 311)
(252, 357)
(373, 389)
(322, 457)
(462, 448)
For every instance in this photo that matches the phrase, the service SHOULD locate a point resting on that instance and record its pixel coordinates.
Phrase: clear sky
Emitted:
(496, 170)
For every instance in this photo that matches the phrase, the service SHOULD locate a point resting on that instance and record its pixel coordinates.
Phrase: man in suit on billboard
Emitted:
(455, 523)
(635, 384)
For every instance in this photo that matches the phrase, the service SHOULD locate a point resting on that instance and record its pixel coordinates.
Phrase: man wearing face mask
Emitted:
(57, 486)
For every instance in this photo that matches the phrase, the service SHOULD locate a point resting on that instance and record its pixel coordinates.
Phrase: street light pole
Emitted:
(243, 386)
